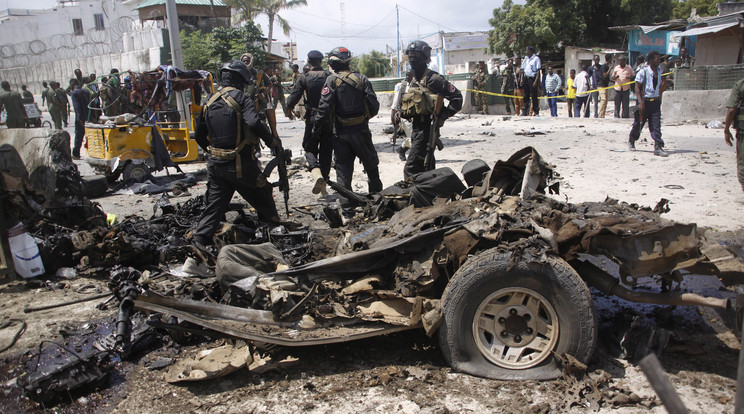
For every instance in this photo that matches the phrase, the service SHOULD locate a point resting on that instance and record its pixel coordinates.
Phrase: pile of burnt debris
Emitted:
(361, 265)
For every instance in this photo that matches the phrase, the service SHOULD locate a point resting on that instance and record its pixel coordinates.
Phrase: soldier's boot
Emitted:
(319, 184)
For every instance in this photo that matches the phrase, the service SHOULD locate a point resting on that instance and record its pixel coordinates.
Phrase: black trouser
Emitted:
(419, 146)
(530, 93)
(222, 185)
(347, 146)
(318, 150)
(79, 134)
(622, 97)
(652, 115)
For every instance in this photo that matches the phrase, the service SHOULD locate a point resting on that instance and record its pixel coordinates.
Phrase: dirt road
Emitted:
(406, 372)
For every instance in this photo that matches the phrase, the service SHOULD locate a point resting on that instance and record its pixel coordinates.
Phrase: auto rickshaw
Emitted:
(150, 135)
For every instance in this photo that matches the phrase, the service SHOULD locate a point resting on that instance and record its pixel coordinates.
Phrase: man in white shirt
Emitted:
(581, 84)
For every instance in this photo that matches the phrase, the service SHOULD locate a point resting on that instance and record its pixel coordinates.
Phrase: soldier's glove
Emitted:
(276, 144)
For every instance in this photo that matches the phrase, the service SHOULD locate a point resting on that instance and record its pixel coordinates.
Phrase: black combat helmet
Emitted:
(239, 68)
(340, 54)
(315, 54)
(419, 46)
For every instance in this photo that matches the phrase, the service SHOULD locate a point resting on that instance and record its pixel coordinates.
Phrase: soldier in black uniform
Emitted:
(230, 120)
(419, 55)
(318, 148)
(348, 99)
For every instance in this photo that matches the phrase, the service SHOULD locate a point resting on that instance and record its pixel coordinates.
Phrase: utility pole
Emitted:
(342, 6)
(397, 25)
(174, 36)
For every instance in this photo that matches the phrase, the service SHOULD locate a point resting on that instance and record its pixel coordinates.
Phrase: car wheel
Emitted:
(510, 323)
(136, 172)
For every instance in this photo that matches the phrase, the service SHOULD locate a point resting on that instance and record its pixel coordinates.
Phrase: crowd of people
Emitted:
(524, 80)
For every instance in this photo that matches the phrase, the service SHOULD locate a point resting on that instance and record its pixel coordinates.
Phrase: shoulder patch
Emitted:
(326, 90)
(452, 88)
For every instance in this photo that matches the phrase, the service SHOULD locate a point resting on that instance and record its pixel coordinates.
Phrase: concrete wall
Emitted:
(679, 106)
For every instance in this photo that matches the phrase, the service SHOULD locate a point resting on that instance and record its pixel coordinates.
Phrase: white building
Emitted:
(93, 36)
(459, 52)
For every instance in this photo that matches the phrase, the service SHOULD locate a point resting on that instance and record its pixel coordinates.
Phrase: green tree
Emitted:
(704, 8)
(250, 9)
(208, 51)
(518, 26)
(373, 65)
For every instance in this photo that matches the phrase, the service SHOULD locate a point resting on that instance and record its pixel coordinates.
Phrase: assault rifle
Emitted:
(433, 134)
(281, 159)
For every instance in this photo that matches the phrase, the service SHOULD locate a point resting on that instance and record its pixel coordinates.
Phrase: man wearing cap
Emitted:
(531, 69)
(348, 100)
(229, 130)
(419, 55)
(318, 148)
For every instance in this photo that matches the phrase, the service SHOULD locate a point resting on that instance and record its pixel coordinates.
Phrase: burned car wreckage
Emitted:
(497, 270)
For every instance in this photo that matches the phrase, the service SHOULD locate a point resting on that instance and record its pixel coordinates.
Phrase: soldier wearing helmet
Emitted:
(419, 55)
(229, 129)
(348, 100)
(318, 148)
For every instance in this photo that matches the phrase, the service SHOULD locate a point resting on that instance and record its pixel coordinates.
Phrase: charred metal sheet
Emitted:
(650, 252)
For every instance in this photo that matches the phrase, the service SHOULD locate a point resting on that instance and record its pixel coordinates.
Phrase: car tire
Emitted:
(510, 323)
(138, 172)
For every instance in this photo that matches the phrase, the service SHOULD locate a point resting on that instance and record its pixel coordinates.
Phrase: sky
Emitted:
(370, 24)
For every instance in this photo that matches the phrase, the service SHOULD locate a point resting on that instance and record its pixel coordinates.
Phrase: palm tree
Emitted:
(271, 9)
(247, 9)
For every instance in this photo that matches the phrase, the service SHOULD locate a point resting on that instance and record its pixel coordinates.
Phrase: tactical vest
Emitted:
(419, 100)
(315, 81)
(353, 80)
(244, 136)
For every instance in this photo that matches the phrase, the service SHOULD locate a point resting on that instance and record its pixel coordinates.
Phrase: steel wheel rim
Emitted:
(138, 173)
(515, 328)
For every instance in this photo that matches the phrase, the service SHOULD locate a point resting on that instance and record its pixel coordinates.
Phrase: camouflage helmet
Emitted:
(419, 46)
(237, 67)
(340, 54)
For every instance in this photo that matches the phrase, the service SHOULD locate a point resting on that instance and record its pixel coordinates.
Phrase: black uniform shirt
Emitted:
(347, 101)
(312, 83)
(220, 122)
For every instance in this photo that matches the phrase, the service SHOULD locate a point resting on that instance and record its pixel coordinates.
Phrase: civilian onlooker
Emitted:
(649, 87)
(518, 85)
(595, 73)
(684, 60)
(80, 98)
(531, 69)
(581, 85)
(640, 62)
(604, 83)
(552, 86)
(570, 92)
(622, 75)
(27, 96)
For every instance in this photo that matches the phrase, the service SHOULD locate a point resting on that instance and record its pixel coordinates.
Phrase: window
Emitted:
(77, 27)
(98, 19)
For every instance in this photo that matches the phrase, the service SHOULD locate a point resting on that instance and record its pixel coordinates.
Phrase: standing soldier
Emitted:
(318, 148)
(480, 78)
(112, 95)
(518, 85)
(80, 98)
(507, 84)
(44, 92)
(229, 130)
(58, 103)
(276, 82)
(27, 96)
(734, 115)
(348, 99)
(12, 102)
(295, 73)
(429, 83)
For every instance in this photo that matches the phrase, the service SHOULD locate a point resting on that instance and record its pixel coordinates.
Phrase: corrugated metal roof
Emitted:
(148, 3)
(709, 29)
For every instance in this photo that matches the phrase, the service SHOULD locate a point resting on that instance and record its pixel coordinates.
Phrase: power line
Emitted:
(430, 21)
(339, 21)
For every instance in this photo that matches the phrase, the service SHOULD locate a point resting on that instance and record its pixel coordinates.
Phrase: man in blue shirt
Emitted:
(649, 88)
(552, 86)
(531, 69)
